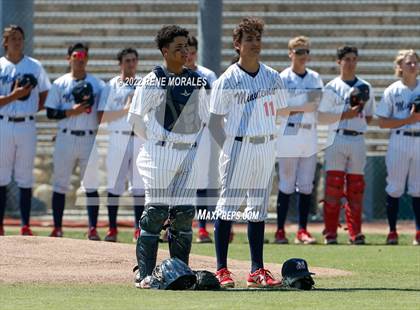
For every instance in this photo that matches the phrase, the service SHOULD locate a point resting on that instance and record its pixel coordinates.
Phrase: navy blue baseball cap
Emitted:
(295, 268)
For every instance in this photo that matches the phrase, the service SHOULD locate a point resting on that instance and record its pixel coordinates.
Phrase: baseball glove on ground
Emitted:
(26, 79)
(359, 95)
(206, 280)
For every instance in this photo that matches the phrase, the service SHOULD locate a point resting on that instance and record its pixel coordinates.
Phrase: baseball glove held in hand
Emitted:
(416, 103)
(359, 95)
(83, 93)
(26, 79)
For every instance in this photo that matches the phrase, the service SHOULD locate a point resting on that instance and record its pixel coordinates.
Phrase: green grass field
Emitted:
(384, 277)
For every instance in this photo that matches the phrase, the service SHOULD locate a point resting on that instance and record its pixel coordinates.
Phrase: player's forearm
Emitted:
(328, 118)
(4, 100)
(394, 123)
(139, 127)
(216, 129)
(42, 99)
(110, 116)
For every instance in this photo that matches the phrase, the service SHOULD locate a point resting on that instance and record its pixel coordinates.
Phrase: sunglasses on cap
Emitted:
(79, 55)
(301, 51)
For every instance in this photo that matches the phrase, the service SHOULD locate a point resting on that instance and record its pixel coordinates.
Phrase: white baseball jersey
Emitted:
(337, 100)
(396, 103)
(403, 155)
(248, 103)
(60, 98)
(206, 143)
(166, 160)
(113, 98)
(71, 148)
(347, 153)
(297, 142)
(9, 73)
(207, 73)
(148, 99)
(123, 148)
(18, 139)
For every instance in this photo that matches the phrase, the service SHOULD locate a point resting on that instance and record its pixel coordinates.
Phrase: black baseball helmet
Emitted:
(295, 274)
(176, 275)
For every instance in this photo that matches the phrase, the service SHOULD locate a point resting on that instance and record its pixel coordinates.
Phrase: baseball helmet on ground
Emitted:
(295, 274)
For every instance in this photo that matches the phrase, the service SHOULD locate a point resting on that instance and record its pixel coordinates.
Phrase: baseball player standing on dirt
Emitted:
(75, 141)
(243, 108)
(297, 162)
(399, 110)
(18, 105)
(124, 145)
(204, 149)
(350, 100)
(168, 111)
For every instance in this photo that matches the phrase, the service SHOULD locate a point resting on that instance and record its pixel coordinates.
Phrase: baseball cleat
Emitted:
(262, 278)
(280, 237)
(330, 240)
(111, 236)
(359, 239)
(93, 234)
(416, 240)
(392, 238)
(225, 278)
(141, 283)
(1, 230)
(304, 237)
(203, 236)
(26, 231)
(136, 234)
(57, 232)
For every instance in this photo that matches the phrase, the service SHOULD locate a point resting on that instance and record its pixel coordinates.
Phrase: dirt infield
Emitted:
(52, 260)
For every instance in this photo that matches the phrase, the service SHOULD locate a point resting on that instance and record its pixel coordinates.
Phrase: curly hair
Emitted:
(248, 25)
(166, 35)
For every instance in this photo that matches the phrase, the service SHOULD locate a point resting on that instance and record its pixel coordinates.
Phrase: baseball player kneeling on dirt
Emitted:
(348, 103)
(243, 107)
(168, 110)
(73, 101)
(399, 110)
(24, 87)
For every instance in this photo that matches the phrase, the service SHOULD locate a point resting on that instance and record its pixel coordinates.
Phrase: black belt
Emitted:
(80, 133)
(349, 132)
(256, 139)
(299, 125)
(408, 133)
(126, 132)
(17, 119)
(177, 145)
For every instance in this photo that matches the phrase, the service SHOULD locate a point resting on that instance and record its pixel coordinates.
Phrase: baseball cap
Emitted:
(295, 268)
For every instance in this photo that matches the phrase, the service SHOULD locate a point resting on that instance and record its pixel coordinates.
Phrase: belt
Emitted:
(299, 125)
(256, 139)
(177, 145)
(79, 133)
(346, 132)
(17, 119)
(408, 133)
(126, 132)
